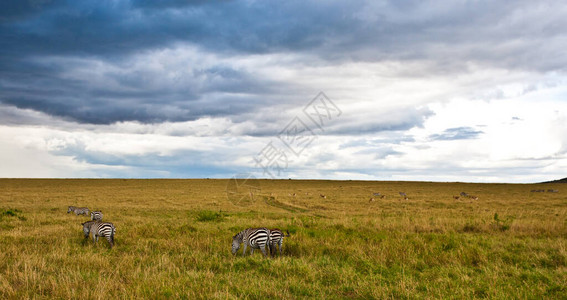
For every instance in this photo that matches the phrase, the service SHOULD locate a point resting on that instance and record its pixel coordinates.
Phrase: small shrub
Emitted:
(502, 225)
(209, 216)
(12, 213)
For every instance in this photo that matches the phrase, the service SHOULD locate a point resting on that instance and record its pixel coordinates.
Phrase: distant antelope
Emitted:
(456, 197)
(322, 196)
(473, 197)
(382, 197)
(406, 198)
(371, 200)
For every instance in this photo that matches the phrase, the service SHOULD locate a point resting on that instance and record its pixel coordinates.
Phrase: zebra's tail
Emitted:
(112, 235)
(269, 242)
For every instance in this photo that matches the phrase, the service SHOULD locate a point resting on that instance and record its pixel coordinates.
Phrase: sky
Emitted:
(472, 91)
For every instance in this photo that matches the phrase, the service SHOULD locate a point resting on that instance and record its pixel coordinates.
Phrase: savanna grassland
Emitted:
(173, 240)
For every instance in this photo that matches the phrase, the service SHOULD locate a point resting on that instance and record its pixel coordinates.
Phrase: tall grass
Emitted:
(173, 240)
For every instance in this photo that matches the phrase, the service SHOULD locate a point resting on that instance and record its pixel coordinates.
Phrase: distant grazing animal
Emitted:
(382, 197)
(103, 229)
(96, 215)
(276, 239)
(87, 228)
(322, 196)
(456, 197)
(552, 191)
(403, 194)
(473, 197)
(371, 200)
(463, 194)
(256, 238)
(375, 194)
(78, 210)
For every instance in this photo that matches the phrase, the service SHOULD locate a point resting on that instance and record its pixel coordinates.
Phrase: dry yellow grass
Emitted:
(173, 240)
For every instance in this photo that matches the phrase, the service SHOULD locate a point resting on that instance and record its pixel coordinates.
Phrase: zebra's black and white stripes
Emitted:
(96, 215)
(256, 238)
(78, 210)
(276, 239)
(102, 229)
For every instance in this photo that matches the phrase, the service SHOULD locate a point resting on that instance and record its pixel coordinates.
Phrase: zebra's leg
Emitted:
(244, 250)
(263, 248)
(280, 246)
(251, 250)
(95, 238)
(110, 239)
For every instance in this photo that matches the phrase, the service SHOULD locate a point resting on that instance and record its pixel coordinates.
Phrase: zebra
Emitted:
(87, 228)
(104, 229)
(96, 215)
(463, 194)
(256, 238)
(78, 210)
(276, 239)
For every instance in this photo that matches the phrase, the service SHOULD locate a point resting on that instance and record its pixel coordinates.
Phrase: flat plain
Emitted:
(173, 240)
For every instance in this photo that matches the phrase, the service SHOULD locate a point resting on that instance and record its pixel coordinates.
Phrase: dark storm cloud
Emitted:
(522, 35)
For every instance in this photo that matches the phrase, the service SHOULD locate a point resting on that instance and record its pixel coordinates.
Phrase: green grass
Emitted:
(173, 240)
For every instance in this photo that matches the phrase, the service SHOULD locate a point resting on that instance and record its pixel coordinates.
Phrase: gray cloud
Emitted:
(450, 35)
(459, 133)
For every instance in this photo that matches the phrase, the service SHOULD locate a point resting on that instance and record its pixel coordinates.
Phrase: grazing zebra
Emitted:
(78, 210)
(96, 215)
(276, 239)
(256, 238)
(464, 194)
(403, 194)
(103, 229)
(552, 191)
(87, 228)
(376, 194)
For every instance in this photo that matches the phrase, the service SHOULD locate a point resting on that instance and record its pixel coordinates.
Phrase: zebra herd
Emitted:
(259, 238)
(95, 227)
(256, 238)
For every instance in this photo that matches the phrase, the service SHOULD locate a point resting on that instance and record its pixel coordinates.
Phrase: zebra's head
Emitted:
(87, 228)
(70, 209)
(236, 240)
